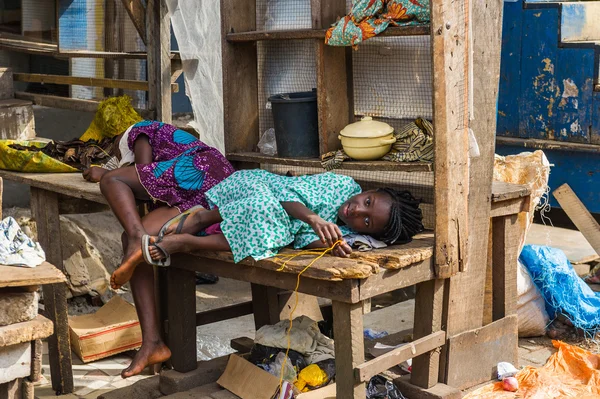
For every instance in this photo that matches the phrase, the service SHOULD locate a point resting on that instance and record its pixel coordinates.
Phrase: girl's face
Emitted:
(367, 213)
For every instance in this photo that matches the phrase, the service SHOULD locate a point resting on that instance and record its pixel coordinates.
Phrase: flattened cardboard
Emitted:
(248, 381)
(113, 329)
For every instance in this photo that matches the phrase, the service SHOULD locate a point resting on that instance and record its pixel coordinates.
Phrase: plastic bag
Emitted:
(381, 388)
(311, 377)
(261, 354)
(531, 310)
(267, 144)
(28, 161)
(289, 373)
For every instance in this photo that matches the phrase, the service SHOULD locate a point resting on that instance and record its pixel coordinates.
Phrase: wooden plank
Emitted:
(428, 320)
(299, 34)
(335, 102)
(71, 184)
(224, 313)
(344, 291)
(256, 157)
(137, 13)
(450, 49)
(474, 355)
(510, 207)
(548, 144)
(396, 257)
(181, 316)
(45, 273)
(579, 215)
(368, 370)
(72, 103)
(465, 292)
(158, 26)
(502, 191)
(265, 302)
(242, 344)
(44, 209)
(505, 252)
(83, 81)
(390, 280)
(36, 359)
(38, 328)
(27, 46)
(349, 349)
(240, 77)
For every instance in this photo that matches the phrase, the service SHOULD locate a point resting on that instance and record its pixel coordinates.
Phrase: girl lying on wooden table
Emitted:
(200, 205)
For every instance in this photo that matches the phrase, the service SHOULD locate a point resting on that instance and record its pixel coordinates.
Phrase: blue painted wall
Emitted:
(546, 92)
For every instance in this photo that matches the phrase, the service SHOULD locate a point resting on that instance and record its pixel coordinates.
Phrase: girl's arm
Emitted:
(329, 233)
(142, 150)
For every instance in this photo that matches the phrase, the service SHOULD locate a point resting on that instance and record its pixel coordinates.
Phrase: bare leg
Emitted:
(121, 187)
(175, 243)
(197, 221)
(153, 350)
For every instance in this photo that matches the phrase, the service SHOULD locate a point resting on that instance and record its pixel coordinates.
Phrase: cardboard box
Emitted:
(247, 381)
(113, 329)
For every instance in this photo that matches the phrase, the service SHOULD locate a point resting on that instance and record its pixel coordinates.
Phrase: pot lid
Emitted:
(367, 128)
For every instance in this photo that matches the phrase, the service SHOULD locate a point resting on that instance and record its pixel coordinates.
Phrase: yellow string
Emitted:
(320, 253)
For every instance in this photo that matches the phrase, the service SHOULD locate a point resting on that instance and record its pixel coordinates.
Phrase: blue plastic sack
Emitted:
(563, 290)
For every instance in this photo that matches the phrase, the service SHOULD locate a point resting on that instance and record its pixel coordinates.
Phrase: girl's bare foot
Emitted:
(149, 354)
(171, 244)
(131, 259)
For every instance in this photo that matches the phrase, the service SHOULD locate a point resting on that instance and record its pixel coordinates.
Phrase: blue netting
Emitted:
(563, 290)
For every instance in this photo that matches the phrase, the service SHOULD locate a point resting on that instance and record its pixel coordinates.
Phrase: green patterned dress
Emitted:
(254, 221)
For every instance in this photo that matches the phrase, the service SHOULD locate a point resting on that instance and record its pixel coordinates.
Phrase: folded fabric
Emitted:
(305, 338)
(16, 249)
(369, 18)
(364, 242)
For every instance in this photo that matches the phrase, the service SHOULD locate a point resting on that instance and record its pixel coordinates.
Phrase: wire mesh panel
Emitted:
(287, 66)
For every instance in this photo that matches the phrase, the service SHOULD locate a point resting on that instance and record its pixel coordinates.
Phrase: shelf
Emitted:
(254, 157)
(29, 47)
(300, 34)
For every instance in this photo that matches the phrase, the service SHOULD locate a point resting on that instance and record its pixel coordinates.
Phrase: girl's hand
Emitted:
(94, 174)
(342, 250)
(328, 232)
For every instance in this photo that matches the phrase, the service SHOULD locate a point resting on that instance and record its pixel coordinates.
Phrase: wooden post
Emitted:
(158, 39)
(181, 318)
(428, 319)
(240, 77)
(505, 252)
(265, 303)
(335, 101)
(450, 53)
(44, 209)
(349, 348)
(111, 41)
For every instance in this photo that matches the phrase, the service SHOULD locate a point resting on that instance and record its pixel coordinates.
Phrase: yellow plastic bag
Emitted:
(27, 161)
(114, 116)
(311, 376)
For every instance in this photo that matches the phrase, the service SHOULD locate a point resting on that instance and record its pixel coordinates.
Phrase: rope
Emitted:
(320, 253)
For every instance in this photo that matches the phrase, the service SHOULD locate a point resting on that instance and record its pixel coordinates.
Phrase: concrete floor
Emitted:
(213, 340)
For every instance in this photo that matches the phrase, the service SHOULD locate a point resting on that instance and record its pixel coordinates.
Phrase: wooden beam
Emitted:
(158, 26)
(578, 213)
(450, 49)
(301, 34)
(137, 13)
(224, 313)
(349, 349)
(83, 81)
(505, 254)
(368, 370)
(71, 103)
(265, 302)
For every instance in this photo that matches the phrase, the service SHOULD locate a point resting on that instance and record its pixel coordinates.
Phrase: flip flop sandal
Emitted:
(180, 220)
(164, 262)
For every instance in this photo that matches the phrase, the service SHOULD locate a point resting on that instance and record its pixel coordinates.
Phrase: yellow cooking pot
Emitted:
(367, 140)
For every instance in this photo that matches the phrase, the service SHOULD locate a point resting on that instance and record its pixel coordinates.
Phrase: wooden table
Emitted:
(347, 292)
(51, 279)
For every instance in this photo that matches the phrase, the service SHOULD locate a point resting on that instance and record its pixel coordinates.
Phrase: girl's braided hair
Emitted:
(406, 218)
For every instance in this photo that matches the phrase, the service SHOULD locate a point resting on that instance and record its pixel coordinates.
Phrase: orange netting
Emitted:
(571, 372)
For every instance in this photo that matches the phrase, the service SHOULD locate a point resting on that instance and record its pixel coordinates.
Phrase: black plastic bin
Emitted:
(296, 124)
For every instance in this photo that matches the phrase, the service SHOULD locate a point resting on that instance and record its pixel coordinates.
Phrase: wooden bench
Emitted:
(346, 282)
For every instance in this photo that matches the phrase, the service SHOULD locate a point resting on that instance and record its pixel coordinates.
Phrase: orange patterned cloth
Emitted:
(368, 18)
(571, 372)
